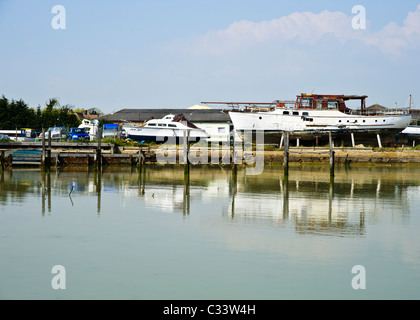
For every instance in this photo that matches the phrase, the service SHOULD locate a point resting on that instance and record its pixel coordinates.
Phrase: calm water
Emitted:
(121, 235)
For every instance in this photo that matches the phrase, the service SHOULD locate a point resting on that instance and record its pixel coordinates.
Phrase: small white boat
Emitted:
(412, 131)
(171, 127)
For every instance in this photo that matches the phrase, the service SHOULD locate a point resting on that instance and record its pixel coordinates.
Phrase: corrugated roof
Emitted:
(194, 115)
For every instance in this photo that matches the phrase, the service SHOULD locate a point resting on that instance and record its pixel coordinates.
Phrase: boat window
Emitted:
(162, 125)
(319, 104)
(295, 113)
(286, 112)
(307, 103)
(171, 125)
(332, 104)
(305, 113)
(152, 124)
(364, 120)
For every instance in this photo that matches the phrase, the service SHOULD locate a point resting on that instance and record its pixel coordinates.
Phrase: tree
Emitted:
(17, 114)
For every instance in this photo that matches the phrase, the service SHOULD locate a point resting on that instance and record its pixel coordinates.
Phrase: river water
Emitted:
(212, 234)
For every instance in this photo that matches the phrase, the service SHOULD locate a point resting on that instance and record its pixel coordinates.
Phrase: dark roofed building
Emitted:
(376, 107)
(142, 115)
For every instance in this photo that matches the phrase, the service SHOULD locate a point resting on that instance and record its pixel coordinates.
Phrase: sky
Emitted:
(122, 54)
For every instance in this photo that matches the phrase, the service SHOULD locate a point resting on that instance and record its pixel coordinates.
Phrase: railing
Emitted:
(378, 112)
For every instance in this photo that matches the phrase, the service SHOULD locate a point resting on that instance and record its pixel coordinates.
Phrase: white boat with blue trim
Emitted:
(170, 128)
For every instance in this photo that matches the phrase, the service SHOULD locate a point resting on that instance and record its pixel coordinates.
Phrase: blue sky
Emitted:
(175, 54)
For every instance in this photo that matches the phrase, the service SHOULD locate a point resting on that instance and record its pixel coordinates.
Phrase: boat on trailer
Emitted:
(170, 128)
(316, 115)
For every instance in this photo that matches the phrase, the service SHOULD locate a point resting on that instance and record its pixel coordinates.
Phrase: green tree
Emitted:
(17, 114)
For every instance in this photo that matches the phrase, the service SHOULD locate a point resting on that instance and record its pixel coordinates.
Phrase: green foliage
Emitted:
(17, 114)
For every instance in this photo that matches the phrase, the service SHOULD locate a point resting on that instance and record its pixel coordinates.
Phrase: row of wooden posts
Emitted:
(46, 152)
(286, 139)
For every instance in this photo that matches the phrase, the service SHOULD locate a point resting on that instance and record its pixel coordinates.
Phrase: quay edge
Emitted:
(126, 156)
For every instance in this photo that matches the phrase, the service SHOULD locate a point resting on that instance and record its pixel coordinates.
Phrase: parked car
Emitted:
(55, 133)
(78, 134)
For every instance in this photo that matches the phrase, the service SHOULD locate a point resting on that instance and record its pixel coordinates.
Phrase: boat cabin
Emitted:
(325, 102)
(171, 121)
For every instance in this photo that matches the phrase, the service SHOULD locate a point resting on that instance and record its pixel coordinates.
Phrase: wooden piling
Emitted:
(234, 189)
(332, 153)
(286, 153)
(98, 180)
(143, 180)
(234, 175)
(140, 160)
(285, 184)
(186, 195)
(330, 199)
(43, 192)
(233, 146)
(2, 161)
(49, 190)
(43, 148)
(48, 152)
(98, 151)
(185, 150)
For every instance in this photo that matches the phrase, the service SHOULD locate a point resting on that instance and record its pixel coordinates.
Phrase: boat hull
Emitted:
(165, 135)
(311, 124)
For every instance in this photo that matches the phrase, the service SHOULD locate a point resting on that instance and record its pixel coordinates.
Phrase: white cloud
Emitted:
(307, 28)
(393, 39)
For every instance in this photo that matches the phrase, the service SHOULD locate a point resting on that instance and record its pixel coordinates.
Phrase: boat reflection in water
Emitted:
(308, 202)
